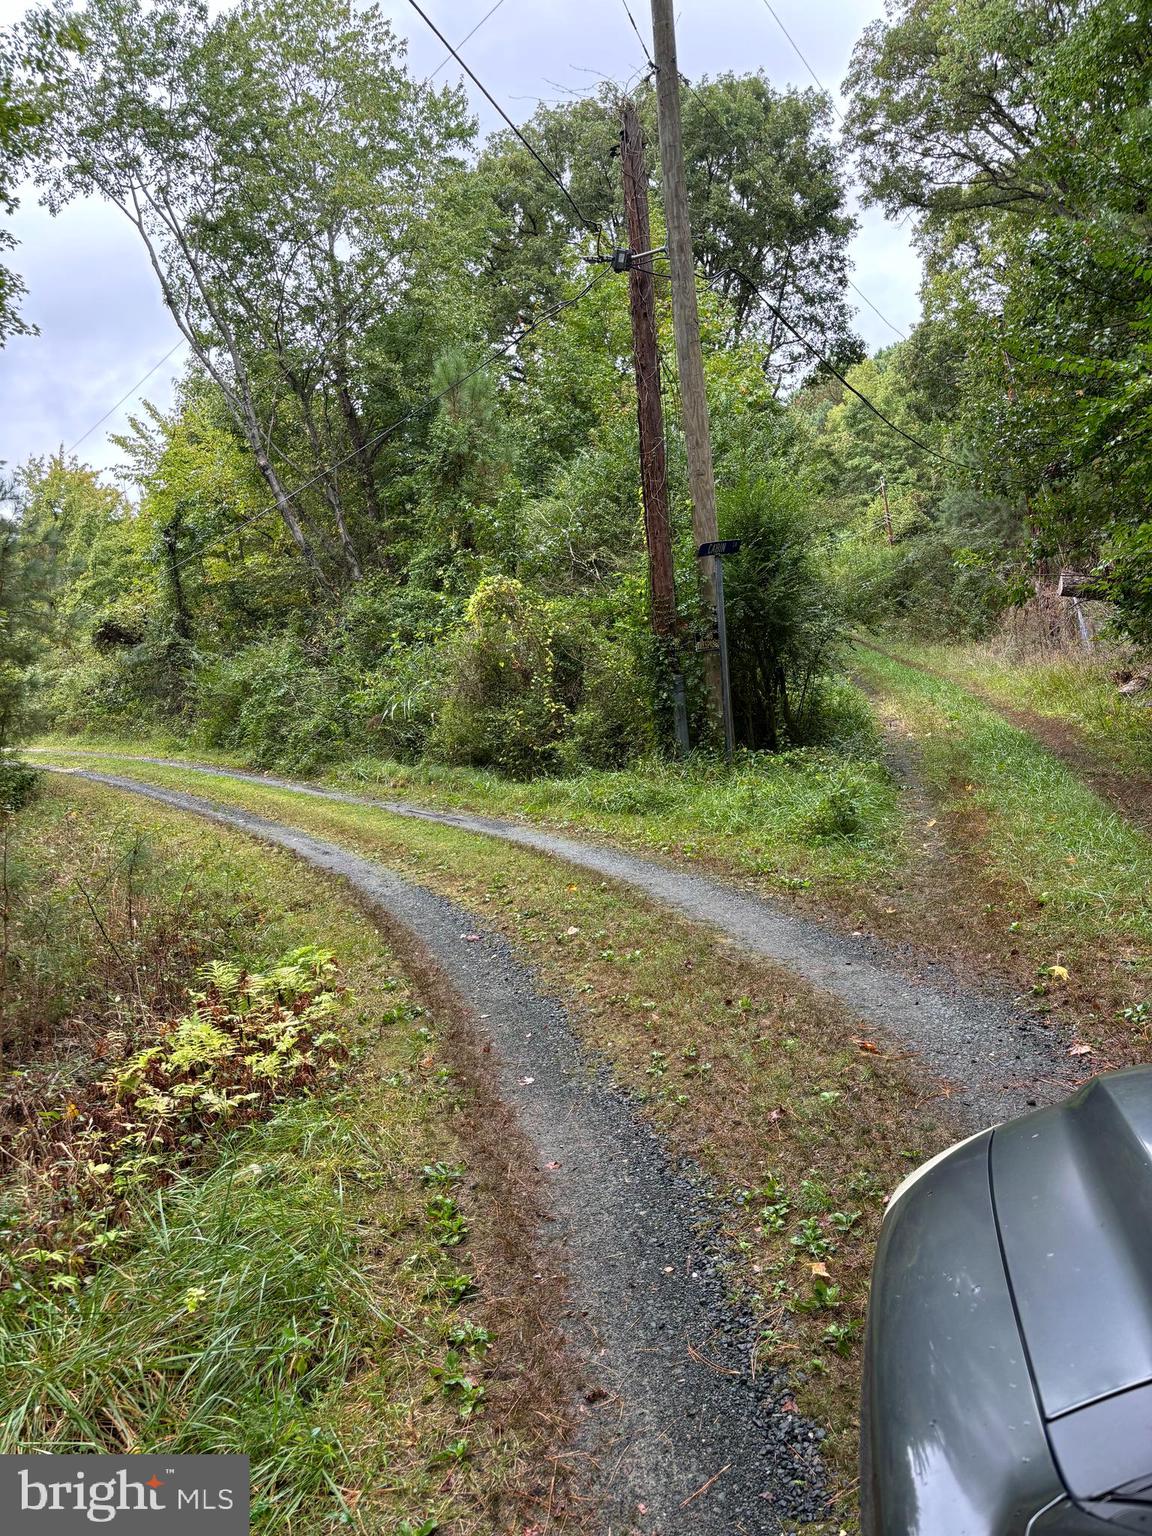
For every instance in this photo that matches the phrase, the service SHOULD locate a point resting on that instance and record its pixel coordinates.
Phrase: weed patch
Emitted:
(280, 1247)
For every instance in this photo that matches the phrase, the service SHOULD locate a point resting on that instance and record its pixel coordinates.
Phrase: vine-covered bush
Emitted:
(500, 707)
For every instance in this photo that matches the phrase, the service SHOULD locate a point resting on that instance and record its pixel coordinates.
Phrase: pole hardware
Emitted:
(622, 260)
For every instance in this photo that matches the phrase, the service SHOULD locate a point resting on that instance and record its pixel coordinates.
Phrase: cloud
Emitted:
(95, 298)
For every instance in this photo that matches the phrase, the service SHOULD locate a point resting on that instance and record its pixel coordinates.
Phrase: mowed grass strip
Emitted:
(822, 817)
(803, 1123)
(334, 1291)
(1061, 879)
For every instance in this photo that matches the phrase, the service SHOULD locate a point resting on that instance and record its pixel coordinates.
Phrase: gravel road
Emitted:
(1000, 1059)
(685, 1440)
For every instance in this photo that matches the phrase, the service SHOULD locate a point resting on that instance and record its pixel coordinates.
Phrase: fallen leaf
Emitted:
(889, 910)
(1079, 1049)
(867, 1045)
(551, 1167)
(470, 938)
(931, 823)
(571, 932)
(1058, 972)
(821, 1270)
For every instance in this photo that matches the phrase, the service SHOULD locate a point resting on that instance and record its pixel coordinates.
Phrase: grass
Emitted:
(829, 817)
(328, 1291)
(764, 1082)
(1060, 878)
(1077, 690)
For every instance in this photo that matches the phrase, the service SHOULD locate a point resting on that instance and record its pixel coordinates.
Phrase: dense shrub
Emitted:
(927, 585)
(18, 784)
(783, 621)
(500, 708)
(275, 702)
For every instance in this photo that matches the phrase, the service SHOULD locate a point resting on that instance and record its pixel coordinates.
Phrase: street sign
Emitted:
(719, 547)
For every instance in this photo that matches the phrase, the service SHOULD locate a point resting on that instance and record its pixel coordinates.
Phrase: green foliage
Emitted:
(282, 268)
(250, 1040)
(782, 622)
(18, 784)
(927, 584)
(531, 686)
(30, 64)
(500, 707)
(1021, 136)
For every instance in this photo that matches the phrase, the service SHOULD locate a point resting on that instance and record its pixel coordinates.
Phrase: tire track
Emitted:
(681, 1435)
(999, 1058)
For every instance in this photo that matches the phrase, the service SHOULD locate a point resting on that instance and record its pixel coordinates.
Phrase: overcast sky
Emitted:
(102, 325)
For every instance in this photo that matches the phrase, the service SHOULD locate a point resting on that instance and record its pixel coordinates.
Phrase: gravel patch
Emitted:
(998, 1058)
(683, 1437)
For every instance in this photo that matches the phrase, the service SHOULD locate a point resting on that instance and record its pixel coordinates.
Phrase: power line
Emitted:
(833, 103)
(902, 334)
(135, 388)
(394, 426)
(716, 119)
(836, 374)
(639, 34)
(447, 59)
(803, 60)
(553, 175)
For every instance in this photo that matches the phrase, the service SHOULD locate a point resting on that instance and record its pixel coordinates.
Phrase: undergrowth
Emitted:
(831, 814)
(249, 1040)
(237, 1220)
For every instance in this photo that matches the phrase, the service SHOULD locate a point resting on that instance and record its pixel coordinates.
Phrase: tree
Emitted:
(30, 59)
(1021, 136)
(279, 164)
(766, 192)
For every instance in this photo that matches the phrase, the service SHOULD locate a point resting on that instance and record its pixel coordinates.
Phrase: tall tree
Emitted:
(766, 190)
(278, 163)
(1020, 134)
(30, 57)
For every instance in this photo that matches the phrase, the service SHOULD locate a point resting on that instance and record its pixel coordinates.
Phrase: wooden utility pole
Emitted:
(686, 321)
(646, 360)
(887, 514)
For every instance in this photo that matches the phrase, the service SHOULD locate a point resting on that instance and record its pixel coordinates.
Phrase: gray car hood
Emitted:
(1072, 1192)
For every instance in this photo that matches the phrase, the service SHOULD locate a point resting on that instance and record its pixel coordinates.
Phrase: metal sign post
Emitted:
(718, 548)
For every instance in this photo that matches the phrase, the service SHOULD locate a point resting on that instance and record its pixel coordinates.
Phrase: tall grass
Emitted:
(832, 812)
(1051, 839)
(1081, 690)
(291, 1292)
(243, 1305)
